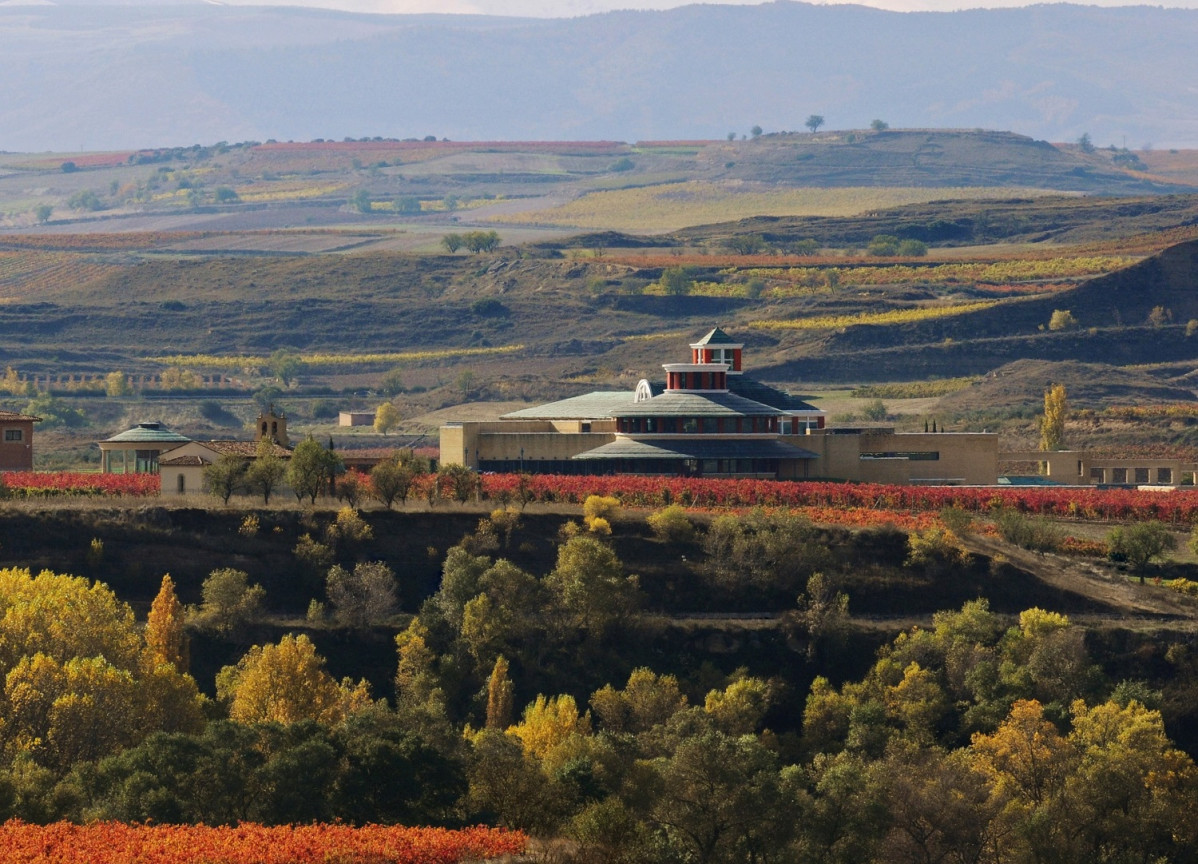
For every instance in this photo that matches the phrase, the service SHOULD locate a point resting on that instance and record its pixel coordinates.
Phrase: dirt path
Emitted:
(1098, 581)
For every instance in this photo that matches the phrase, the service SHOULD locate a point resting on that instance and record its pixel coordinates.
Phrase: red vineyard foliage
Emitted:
(31, 484)
(84, 160)
(119, 843)
(1176, 506)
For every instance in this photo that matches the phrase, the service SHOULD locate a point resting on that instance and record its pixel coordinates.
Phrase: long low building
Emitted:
(711, 420)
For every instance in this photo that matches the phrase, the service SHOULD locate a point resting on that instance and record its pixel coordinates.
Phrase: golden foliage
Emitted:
(216, 361)
(166, 640)
(79, 683)
(286, 683)
(893, 316)
(1052, 424)
(548, 723)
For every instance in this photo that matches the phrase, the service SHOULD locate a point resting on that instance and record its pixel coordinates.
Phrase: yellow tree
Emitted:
(739, 708)
(500, 695)
(548, 723)
(1131, 790)
(386, 418)
(1052, 424)
(78, 681)
(166, 640)
(286, 683)
(647, 700)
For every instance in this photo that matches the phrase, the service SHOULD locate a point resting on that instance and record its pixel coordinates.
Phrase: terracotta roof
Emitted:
(183, 462)
(15, 417)
(248, 449)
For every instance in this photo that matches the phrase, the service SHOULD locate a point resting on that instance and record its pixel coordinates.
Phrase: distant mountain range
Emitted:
(94, 76)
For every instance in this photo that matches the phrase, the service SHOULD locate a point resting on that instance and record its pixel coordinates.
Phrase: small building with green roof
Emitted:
(137, 450)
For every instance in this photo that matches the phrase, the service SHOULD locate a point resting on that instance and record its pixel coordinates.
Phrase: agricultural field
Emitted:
(673, 206)
(548, 654)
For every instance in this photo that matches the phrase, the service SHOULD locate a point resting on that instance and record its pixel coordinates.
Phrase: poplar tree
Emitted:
(1052, 424)
(166, 640)
(500, 696)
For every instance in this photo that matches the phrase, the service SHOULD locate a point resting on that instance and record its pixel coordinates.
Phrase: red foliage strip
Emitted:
(119, 843)
(1179, 507)
(33, 483)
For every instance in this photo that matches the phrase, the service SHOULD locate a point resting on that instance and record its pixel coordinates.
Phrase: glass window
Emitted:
(146, 461)
(1096, 475)
(1164, 475)
(11, 435)
(1141, 476)
(1118, 475)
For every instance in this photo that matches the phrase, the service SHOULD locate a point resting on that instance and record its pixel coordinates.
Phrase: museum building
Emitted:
(709, 419)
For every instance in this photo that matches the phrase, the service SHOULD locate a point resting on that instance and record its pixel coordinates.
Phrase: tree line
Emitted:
(980, 738)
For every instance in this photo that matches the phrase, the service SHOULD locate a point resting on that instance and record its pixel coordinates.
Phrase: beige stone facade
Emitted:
(881, 455)
(710, 420)
(1082, 468)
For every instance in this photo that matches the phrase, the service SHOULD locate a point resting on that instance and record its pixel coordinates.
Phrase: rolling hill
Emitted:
(121, 76)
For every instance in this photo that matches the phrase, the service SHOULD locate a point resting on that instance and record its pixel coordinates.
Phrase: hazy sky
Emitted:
(570, 8)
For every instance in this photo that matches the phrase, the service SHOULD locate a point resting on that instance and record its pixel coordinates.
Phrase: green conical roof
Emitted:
(151, 432)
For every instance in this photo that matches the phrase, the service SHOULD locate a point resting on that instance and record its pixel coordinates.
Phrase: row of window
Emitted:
(910, 456)
(1136, 476)
(696, 380)
(667, 467)
(698, 425)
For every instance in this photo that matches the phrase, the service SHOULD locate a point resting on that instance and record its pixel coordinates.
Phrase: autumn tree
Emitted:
(229, 601)
(78, 680)
(676, 281)
(548, 722)
(480, 241)
(1061, 319)
(740, 707)
(166, 638)
(386, 418)
(364, 597)
(671, 524)
(311, 469)
(1139, 544)
(117, 384)
(287, 683)
(226, 476)
(719, 797)
(509, 784)
(647, 700)
(285, 365)
(392, 479)
(764, 550)
(500, 696)
(461, 481)
(266, 471)
(589, 587)
(1052, 424)
(419, 695)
